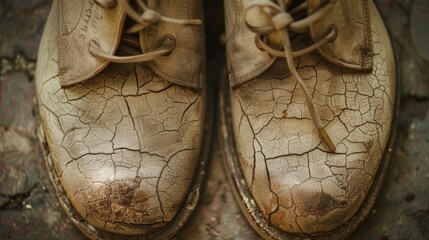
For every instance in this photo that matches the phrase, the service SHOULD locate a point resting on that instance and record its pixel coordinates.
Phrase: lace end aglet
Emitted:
(327, 139)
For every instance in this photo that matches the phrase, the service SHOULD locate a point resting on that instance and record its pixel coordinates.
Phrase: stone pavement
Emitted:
(30, 210)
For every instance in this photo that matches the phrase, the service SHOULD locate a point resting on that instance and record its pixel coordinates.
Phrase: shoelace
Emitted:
(143, 20)
(283, 22)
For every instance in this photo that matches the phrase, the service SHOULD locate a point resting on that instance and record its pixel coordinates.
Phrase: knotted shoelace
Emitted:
(282, 22)
(144, 17)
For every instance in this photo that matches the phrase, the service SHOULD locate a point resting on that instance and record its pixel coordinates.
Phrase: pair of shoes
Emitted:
(306, 116)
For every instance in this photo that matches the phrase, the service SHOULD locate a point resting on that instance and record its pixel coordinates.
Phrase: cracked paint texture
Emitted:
(298, 185)
(124, 144)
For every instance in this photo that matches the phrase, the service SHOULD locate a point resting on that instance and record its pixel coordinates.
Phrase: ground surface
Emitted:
(29, 208)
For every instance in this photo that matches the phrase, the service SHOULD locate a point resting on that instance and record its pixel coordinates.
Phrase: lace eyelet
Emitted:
(170, 40)
(263, 38)
(332, 28)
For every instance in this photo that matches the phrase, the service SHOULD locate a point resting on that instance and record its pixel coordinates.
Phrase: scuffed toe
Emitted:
(126, 192)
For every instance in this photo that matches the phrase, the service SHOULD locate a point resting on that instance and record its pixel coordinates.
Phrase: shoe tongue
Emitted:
(80, 22)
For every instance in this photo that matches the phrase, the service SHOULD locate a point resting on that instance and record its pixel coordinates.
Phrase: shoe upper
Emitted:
(299, 184)
(124, 138)
(82, 23)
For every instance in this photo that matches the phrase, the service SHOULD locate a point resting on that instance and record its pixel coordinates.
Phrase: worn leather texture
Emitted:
(80, 22)
(83, 21)
(352, 47)
(245, 60)
(185, 65)
(124, 143)
(297, 183)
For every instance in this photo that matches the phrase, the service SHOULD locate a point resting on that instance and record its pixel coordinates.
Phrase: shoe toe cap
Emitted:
(313, 198)
(129, 192)
(309, 209)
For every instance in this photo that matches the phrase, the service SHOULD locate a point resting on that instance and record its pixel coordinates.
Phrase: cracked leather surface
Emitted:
(298, 185)
(125, 144)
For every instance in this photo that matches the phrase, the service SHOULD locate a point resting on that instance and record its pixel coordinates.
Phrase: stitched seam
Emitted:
(245, 78)
(368, 52)
(86, 76)
(61, 19)
(59, 15)
(351, 15)
(251, 73)
(235, 24)
(178, 80)
(192, 27)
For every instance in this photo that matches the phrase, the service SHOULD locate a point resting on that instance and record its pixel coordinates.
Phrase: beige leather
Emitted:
(80, 22)
(352, 47)
(299, 186)
(185, 65)
(83, 21)
(245, 61)
(125, 142)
